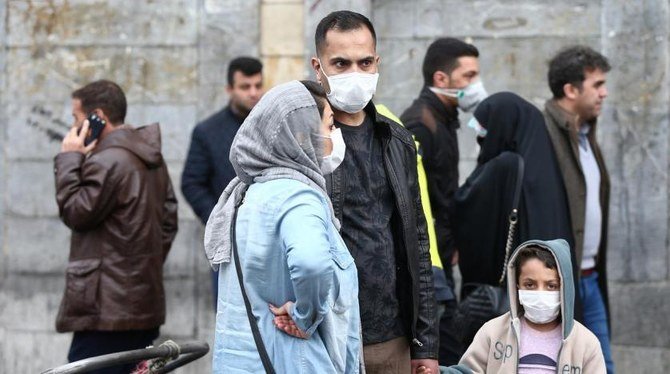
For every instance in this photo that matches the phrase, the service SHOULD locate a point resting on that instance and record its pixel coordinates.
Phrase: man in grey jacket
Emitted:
(577, 77)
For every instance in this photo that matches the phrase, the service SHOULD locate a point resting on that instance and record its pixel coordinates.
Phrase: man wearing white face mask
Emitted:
(376, 197)
(539, 334)
(451, 81)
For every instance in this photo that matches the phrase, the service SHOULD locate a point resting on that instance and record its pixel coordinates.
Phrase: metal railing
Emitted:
(166, 357)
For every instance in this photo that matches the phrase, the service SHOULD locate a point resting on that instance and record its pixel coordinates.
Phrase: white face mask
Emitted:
(351, 92)
(334, 159)
(468, 97)
(540, 306)
(479, 129)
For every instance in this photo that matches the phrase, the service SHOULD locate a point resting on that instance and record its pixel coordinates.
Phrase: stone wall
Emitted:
(171, 56)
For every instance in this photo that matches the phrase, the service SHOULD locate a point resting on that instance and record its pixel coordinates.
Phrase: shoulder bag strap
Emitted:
(513, 216)
(265, 359)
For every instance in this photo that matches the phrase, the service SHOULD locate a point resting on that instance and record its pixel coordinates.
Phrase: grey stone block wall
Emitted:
(171, 57)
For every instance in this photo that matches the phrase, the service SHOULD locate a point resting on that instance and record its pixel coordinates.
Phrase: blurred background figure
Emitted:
(451, 81)
(577, 79)
(208, 170)
(116, 196)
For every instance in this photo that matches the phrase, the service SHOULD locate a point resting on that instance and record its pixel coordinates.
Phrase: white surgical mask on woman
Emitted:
(540, 306)
(334, 159)
(351, 92)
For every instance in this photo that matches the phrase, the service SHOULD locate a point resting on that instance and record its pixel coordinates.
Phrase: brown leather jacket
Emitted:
(119, 203)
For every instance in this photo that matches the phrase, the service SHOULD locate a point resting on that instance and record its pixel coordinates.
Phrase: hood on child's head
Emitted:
(560, 249)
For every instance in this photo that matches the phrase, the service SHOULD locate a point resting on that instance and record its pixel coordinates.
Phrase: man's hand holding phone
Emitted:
(75, 140)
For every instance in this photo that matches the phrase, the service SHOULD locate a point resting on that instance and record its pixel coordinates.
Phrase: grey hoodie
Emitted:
(495, 348)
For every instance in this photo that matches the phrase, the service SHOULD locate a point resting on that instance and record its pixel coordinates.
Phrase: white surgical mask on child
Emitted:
(540, 306)
(334, 159)
(351, 92)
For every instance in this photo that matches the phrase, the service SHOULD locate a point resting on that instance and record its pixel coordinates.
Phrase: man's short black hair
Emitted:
(247, 65)
(106, 96)
(341, 20)
(570, 66)
(443, 55)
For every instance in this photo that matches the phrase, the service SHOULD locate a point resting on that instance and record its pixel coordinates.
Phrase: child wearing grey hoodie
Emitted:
(539, 334)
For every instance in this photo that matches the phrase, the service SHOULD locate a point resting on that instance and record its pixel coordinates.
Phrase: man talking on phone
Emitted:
(114, 192)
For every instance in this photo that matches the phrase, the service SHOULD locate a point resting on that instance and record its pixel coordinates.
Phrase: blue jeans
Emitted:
(595, 316)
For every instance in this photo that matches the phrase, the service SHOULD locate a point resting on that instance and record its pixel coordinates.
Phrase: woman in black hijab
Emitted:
(483, 204)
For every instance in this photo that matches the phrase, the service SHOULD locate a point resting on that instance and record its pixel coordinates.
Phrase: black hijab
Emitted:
(483, 204)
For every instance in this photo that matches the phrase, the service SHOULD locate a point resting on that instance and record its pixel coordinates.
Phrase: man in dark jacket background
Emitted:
(116, 196)
(208, 171)
(375, 195)
(451, 80)
(577, 77)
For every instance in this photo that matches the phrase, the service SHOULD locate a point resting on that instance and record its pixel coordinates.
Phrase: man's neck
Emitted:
(108, 130)
(355, 119)
(569, 108)
(448, 102)
(238, 112)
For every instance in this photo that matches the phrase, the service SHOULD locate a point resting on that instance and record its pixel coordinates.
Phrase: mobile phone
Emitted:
(95, 124)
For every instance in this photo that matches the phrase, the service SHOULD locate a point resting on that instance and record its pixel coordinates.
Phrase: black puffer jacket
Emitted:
(434, 126)
(415, 274)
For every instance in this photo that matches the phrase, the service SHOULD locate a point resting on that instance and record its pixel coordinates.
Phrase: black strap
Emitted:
(513, 216)
(265, 359)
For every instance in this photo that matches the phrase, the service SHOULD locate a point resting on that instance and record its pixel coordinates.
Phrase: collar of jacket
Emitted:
(386, 127)
(144, 142)
(566, 120)
(445, 113)
(229, 109)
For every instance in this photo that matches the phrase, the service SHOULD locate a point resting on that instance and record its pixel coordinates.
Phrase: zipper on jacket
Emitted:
(400, 204)
(558, 357)
(518, 345)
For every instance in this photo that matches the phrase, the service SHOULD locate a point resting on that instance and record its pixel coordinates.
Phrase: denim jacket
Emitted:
(289, 251)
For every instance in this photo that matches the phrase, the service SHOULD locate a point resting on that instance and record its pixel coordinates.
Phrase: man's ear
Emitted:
(98, 112)
(441, 79)
(229, 89)
(320, 78)
(571, 91)
(316, 65)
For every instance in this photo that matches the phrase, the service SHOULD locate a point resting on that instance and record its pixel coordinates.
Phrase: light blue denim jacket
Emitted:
(289, 251)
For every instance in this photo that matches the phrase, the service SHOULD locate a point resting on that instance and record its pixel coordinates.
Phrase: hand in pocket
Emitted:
(284, 322)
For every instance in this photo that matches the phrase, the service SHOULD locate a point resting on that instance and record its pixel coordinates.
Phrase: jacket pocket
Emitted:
(81, 289)
(346, 280)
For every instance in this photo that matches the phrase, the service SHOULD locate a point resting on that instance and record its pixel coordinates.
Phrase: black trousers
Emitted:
(451, 349)
(87, 344)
